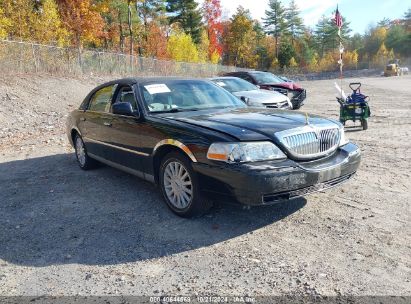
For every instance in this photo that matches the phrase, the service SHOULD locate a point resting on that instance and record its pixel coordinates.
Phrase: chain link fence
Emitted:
(24, 57)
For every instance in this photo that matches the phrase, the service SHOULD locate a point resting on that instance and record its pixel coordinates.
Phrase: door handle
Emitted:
(82, 118)
(108, 124)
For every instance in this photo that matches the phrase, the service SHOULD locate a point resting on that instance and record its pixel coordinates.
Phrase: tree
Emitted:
(5, 24)
(356, 42)
(186, 14)
(156, 43)
(326, 34)
(286, 53)
(385, 22)
(48, 27)
(241, 39)
(407, 20)
(397, 39)
(114, 14)
(212, 16)
(203, 47)
(294, 23)
(382, 56)
(18, 19)
(181, 47)
(292, 63)
(152, 15)
(373, 40)
(275, 21)
(82, 20)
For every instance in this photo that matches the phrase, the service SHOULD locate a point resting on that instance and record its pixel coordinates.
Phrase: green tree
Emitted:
(286, 53)
(385, 22)
(294, 22)
(186, 14)
(275, 22)
(397, 39)
(356, 42)
(326, 35)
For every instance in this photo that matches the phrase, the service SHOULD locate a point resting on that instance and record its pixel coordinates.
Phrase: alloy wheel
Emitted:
(178, 185)
(80, 151)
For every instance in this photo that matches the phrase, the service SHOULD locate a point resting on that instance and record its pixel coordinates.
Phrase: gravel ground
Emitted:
(104, 232)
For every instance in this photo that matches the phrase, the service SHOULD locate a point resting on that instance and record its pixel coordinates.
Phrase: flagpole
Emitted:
(338, 22)
(341, 62)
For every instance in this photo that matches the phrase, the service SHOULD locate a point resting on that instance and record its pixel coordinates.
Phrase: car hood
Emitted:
(262, 96)
(285, 85)
(247, 123)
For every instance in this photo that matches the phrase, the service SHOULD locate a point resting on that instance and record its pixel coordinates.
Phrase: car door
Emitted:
(126, 134)
(96, 122)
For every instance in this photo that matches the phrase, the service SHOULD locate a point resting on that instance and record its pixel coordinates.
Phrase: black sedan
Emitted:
(198, 142)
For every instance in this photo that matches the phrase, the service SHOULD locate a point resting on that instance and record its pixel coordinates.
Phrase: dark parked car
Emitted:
(252, 95)
(197, 142)
(268, 81)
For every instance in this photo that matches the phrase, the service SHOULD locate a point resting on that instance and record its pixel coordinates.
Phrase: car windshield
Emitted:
(263, 77)
(235, 84)
(186, 95)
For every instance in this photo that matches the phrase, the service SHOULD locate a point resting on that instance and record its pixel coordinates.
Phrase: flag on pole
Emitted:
(338, 18)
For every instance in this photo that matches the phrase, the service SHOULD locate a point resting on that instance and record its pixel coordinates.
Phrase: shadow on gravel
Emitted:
(51, 212)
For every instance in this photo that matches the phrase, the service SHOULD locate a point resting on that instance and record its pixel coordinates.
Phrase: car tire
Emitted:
(364, 124)
(180, 187)
(83, 160)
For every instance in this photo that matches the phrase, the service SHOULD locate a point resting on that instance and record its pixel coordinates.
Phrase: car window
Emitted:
(101, 100)
(126, 94)
(186, 95)
(265, 77)
(235, 84)
(247, 77)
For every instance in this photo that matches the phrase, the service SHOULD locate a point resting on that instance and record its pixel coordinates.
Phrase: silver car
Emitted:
(252, 95)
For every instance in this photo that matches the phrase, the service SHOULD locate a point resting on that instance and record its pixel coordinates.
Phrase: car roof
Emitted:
(225, 77)
(142, 80)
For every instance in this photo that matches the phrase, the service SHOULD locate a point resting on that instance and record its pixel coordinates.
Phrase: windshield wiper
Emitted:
(174, 110)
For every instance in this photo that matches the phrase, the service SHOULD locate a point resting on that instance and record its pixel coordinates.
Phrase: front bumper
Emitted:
(264, 183)
(298, 98)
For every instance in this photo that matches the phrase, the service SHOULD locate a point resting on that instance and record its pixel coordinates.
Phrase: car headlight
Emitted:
(290, 105)
(343, 139)
(254, 104)
(244, 152)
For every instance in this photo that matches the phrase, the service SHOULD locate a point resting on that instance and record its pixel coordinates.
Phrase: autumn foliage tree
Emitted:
(181, 47)
(48, 27)
(82, 20)
(155, 44)
(179, 30)
(212, 15)
(240, 39)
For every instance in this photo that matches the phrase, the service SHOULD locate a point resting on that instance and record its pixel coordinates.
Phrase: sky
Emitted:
(360, 13)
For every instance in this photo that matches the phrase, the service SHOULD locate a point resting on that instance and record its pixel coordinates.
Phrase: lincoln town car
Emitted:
(199, 143)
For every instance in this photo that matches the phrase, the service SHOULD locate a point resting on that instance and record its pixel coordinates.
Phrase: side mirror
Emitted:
(123, 108)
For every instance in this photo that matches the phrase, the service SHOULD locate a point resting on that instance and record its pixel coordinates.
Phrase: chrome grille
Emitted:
(310, 141)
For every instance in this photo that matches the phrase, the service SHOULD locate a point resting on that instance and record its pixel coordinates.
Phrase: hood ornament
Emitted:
(307, 122)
